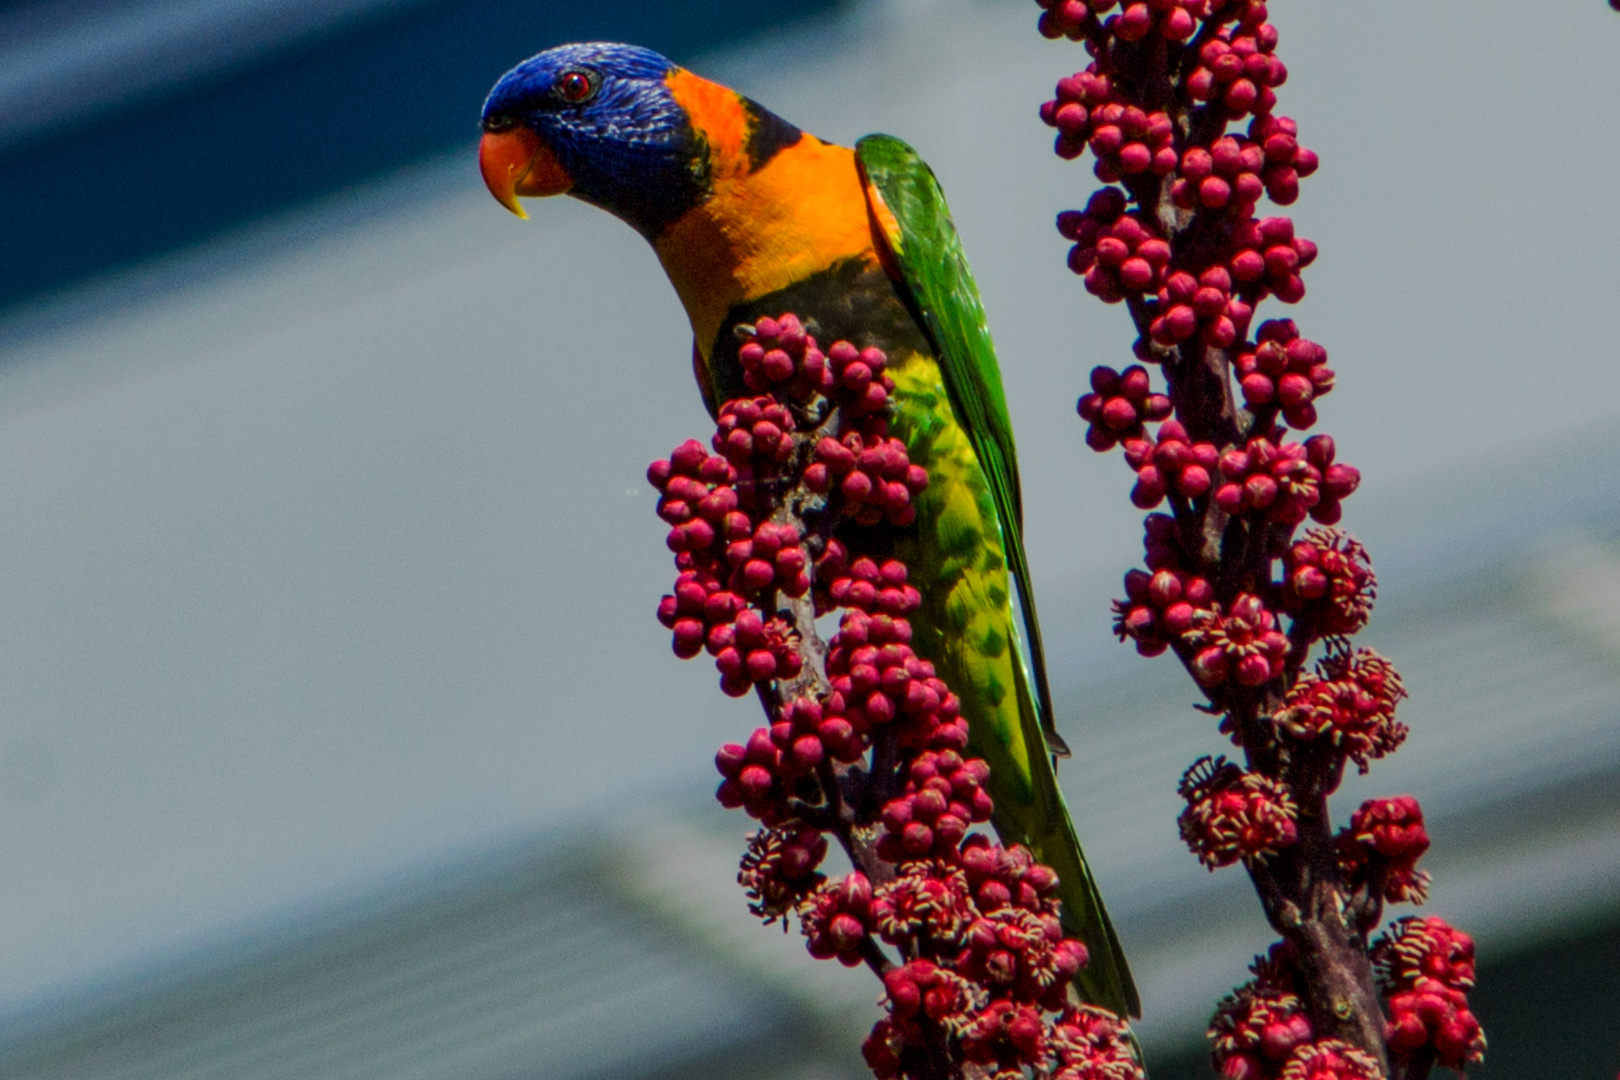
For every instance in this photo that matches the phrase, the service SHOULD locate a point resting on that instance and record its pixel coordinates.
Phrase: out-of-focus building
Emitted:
(338, 739)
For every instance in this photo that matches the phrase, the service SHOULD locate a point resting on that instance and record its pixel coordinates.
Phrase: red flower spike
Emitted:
(1232, 814)
(987, 956)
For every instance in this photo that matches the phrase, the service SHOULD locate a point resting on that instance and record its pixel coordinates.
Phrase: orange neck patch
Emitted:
(718, 116)
(759, 230)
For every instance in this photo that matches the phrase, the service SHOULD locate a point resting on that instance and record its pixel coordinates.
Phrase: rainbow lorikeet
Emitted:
(752, 217)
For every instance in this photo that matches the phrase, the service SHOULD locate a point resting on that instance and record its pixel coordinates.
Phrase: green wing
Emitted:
(922, 250)
(930, 261)
(929, 258)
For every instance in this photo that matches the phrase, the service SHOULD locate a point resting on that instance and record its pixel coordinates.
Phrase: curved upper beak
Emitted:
(518, 162)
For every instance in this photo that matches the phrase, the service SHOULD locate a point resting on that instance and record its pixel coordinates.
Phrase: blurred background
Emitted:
(337, 736)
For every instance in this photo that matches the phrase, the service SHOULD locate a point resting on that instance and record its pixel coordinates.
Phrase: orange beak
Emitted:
(516, 162)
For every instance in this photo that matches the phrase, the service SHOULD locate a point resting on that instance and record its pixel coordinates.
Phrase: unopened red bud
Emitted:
(1196, 164)
(1134, 23)
(1178, 25)
(1163, 589)
(1253, 670)
(1119, 414)
(1214, 192)
(1194, 481)
(755, 781)
(807, 751)
(1209, 302)
(1134, 158)
(1136, 274)
(1309, 582)
(1294, 389)
(1341, 481)
(1178, 618)
(1257, 389)
(688, 457)
(1209, 666)
(1261, 490)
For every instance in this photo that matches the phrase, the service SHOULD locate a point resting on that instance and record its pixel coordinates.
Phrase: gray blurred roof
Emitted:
(328, 556)
(533, 962)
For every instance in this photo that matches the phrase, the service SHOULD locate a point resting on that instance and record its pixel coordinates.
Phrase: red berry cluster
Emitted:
(1235, 815)
(1380, 849)
(1227, 176)
(779, 871)
(1283, 372)
(1256, 1030)
(781, 357)
(725, 560)
(837, 920)
(1331, 1059)
(876, 678)
(1172, 464)
(1174, 20)
(1426, 969)
(864, 585)
(1115, 253)
(1198, 307)
(1349, 702)
(1266, 260)
(1243, 643)
(1262, 1031)
(1159, 608)
(870, 473)
(943, 797)
(754, 430)
(1285, 482)
(1328, 581)
(858, 379)
(1119, 404)
(964, 932)
(1237, 68)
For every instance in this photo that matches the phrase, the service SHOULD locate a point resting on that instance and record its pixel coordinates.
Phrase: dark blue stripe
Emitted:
(334, 113)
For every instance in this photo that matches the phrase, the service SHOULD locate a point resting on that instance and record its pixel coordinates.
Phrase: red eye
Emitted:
(576, 86)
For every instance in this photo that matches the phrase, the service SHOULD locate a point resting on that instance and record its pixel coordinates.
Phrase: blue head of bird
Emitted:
(598, 121)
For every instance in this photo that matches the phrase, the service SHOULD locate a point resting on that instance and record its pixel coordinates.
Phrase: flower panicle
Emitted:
(1247, 577)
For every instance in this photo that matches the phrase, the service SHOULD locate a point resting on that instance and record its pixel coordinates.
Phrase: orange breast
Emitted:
(761, 229)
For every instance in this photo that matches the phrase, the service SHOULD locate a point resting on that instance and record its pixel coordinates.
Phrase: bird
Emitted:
(752, 217)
